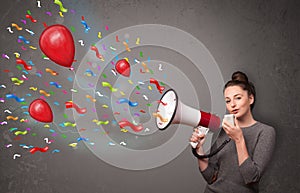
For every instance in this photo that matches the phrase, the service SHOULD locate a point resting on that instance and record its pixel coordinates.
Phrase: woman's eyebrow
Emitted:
(237, 94)
(234, 96)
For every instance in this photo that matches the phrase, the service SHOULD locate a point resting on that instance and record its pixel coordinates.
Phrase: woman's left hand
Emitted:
(233, 131)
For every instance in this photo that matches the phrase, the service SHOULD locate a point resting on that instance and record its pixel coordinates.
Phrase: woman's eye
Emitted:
(227, 102)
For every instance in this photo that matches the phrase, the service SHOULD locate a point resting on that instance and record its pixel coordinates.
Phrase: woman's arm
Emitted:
(202, 163)
(251, 168)
(236, 134)
(241, 149)
(207, 167)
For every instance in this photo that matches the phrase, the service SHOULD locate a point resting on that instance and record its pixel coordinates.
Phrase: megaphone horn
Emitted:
(175, 112)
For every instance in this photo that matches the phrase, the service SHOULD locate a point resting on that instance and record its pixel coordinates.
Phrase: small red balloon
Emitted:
(57, 44)
(40, 111)
(123, 67)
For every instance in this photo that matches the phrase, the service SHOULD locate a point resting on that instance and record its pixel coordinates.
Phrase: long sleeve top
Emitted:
(224, 174)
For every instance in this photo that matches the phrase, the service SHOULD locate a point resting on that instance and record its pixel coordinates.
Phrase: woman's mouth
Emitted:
(235, 111)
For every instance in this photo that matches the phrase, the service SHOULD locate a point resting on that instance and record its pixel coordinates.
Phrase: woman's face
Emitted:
(237, 101)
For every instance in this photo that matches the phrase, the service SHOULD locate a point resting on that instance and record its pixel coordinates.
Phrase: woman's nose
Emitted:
(232, 104)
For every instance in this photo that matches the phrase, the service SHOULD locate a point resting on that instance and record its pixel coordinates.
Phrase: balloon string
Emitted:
(45, 25)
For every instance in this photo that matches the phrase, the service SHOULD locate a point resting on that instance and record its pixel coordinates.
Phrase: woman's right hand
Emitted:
(199, 138)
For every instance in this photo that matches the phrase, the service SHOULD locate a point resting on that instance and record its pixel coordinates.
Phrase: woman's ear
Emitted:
(251, 98)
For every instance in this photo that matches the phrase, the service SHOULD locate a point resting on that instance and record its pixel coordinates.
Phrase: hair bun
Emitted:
(239, 76)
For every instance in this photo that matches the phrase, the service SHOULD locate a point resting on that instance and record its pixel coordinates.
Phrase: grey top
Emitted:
(224, 174)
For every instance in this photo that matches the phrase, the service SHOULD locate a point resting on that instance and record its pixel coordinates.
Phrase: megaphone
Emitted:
(172, 111)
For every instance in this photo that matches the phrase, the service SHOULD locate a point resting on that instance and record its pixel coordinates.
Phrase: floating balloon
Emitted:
(40, 111)
(123, 67)
(57, 44)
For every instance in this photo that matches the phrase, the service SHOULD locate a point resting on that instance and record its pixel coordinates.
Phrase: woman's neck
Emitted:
(246, 121)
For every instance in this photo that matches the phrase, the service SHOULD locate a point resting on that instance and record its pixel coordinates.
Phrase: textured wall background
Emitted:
(258, 37)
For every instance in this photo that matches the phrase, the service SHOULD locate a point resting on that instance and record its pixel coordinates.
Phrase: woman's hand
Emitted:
(197, 138)
(233, 131)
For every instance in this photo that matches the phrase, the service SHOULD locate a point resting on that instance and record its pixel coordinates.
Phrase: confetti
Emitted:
(7, 111)
(49, 13)
(55, 84)
(126, 46)
(145, 97)
(69, 124)
(106, 84)
(47, 140)
(31, 18)
(73, 90)
(160, 117)
(3, 123)
(12, 117)
(124, 100)
(79, 110)
(5, 56)
(52, 72)
(15, 97)
(31, 47)
(33, 88)
(9, 145)
(100, 122)
(61, 8)
(30, 32)
(9, 29)
(61, 14)
(20, 61)
(126, 123)
(137, 41)
(90, 97)
(35, 149)
(21, 38)
(98, 55)
(16, 81)
(146, 68)
(16, 26)
(122, 143)
(15, 156)
(44, 93)
(55, 151)
(81, 42)
(73, 145)
(160, 67)
(21, 132)
(159, 88)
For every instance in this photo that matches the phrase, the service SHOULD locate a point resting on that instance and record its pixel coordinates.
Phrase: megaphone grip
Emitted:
(210, 121)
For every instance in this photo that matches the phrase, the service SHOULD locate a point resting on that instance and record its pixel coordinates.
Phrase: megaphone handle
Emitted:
(194, 150)
(194, 144)
(201, 130)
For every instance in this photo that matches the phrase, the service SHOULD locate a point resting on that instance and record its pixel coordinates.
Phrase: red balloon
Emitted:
(40, 111)
(57, 44)
(123, 67)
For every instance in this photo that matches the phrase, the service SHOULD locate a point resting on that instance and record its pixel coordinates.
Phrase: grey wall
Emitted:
(258, 37)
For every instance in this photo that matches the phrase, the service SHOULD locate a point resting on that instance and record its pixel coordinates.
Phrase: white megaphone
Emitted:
(173, 111)
(170, 110)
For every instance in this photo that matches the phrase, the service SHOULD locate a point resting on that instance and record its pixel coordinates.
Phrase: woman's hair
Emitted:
(240, 79)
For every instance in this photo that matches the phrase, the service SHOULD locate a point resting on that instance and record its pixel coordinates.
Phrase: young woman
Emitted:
(239, 166)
